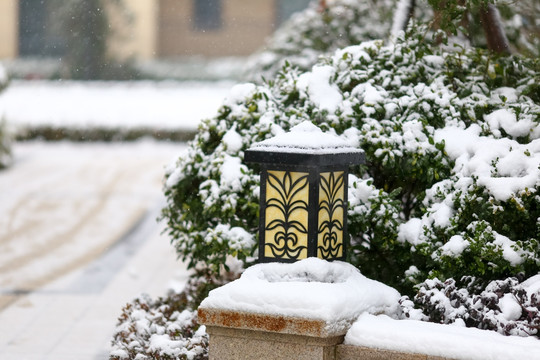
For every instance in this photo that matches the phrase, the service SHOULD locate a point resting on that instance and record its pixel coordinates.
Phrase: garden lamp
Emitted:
(303, 194)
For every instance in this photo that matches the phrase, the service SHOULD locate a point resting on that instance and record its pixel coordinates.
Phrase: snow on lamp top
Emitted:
(306, 139)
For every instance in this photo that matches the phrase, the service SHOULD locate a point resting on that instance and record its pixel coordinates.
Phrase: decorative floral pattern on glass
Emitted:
(286, 218)
(331, 212)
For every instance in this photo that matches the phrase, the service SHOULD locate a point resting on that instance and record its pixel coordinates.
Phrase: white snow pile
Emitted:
(334, 292)
(448, 341)
(236, 237)
(318, 87)
(504, 166)
(306, 138)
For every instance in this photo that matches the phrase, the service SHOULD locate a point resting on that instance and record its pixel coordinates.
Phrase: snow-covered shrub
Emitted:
(315, 32)
(5, 134)
(519, 21)
(3, 78)
(5, 144)
(525, 28)
(451, 183)
(165, 328)
(157, 329)
(100, 133)
(509, 306)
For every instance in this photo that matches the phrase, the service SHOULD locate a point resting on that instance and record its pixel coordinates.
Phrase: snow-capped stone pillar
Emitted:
(303, 206)
(295, 311)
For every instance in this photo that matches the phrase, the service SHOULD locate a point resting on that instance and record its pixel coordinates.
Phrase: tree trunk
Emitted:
(495, 35)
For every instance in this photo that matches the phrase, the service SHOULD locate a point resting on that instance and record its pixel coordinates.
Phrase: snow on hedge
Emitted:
(5, 132)
(159, 329)
(450, 187)
(426, 119)
(317, 32)
(6, 157)
(312, 33)
(509, 306)
(3, 77)
(505, 168)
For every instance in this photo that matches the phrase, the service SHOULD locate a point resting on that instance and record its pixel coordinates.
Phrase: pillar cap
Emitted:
(305, 144)
(314, 293)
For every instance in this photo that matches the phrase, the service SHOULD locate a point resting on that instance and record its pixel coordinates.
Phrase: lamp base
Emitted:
(240, 335)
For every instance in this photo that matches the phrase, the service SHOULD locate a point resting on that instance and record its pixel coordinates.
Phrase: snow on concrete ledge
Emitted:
(448, 341)
(333, 292)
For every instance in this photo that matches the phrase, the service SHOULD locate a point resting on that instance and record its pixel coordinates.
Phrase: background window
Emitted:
(288, 7)
(40, 31)
(207, 14)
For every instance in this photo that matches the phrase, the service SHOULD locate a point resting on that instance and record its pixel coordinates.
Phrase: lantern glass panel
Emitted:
(331, 215)
(286, 218)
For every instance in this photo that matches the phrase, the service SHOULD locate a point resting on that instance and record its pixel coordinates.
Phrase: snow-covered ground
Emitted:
(62, 204)
(78, 239)
(73, 104)
(78, 230)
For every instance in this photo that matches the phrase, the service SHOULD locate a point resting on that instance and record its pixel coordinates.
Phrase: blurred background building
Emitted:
(81, 31)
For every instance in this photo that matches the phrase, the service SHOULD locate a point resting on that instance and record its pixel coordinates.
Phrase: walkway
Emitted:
(78, 239)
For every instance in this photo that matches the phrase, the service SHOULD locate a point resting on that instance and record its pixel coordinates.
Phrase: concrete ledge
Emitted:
(236, 335)
(269, 323)
(350, 352)
(241, 335)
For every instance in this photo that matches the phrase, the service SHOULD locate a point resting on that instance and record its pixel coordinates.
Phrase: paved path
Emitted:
(78, 239)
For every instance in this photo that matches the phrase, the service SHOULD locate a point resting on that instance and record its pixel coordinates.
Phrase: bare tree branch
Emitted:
(322, 5)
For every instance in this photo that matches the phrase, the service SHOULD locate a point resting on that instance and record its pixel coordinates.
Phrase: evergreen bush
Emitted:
(4, 79)
(166, 328)
(5, 145)
(5, 133)
(450, 188)
(317, 32)
(510, 306)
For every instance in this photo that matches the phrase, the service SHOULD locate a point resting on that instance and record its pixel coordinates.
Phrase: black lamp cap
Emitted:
(342, 158)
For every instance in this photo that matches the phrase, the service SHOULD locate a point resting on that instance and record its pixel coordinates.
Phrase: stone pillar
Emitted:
(236, 335)
(299, 311)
